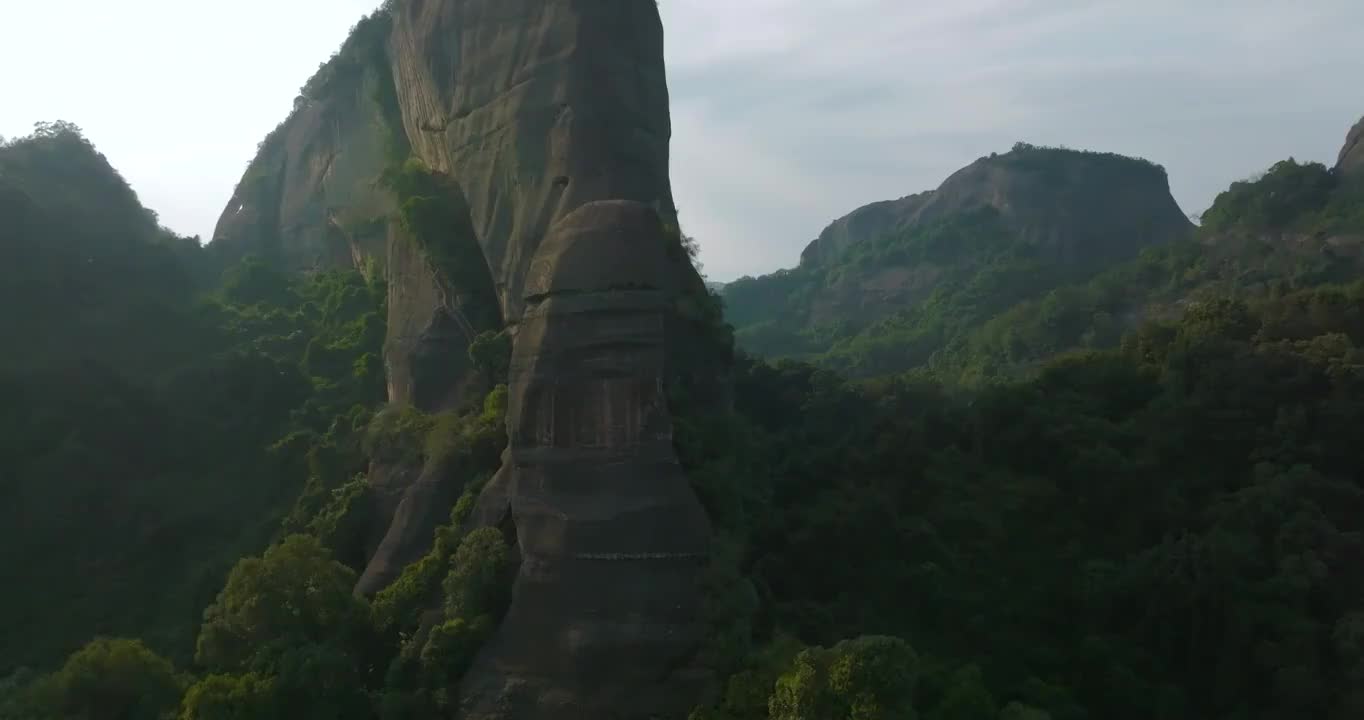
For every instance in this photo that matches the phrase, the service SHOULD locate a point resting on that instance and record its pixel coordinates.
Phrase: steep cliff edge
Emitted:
(440, 146)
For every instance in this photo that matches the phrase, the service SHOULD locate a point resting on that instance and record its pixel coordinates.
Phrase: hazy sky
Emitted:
(786, 113)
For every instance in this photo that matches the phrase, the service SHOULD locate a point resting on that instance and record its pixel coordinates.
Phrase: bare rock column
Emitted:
(605, 612)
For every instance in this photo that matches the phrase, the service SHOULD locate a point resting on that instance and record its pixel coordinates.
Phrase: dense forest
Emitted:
(1031, 510)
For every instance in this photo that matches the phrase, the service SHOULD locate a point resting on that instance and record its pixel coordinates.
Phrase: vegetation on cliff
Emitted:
(172, 417)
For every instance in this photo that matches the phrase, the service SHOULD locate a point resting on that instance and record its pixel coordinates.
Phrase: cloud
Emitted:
(789, 113)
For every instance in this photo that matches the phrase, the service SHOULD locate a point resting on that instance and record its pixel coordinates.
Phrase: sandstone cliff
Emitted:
(1351, 160)
(1074, 202)
(605, 612)
(440, 146)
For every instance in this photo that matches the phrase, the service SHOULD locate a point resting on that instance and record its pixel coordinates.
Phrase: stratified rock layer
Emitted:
(604, 616)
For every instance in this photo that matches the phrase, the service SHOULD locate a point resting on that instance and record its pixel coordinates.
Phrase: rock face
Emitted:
(530, 108)
(1072, 202)
(605, 610)
(1351, 160)
(522, 116)
(861, 225)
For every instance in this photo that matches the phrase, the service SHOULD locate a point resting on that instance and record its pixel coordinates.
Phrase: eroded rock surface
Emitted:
(1351, 160)
(605, 612)
(1069, 203)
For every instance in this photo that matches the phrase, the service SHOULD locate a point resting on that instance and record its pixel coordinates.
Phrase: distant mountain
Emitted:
(1022, 256)
(1006, 228)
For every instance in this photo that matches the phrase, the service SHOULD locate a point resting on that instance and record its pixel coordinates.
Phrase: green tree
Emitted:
(294, 596)
(490, 353)
(478, 583)
(231, 697)
(869, 678)
(110, 679)
(966, 698)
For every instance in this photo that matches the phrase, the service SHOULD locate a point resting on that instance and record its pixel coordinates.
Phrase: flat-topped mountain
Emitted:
(1004, 228)
(1079, 204)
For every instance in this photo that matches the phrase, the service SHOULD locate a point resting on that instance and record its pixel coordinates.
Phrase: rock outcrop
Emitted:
(1075, 203)
(528, 108)
(449, 125)
(1351, 159)
(865, 223)
(605, 611)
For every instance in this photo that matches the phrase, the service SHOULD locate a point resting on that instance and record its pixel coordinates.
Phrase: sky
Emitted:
(786, 113)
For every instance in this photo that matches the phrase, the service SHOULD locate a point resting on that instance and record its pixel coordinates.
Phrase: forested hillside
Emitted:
(1166, 524)
(1162, 518)
(158, 413)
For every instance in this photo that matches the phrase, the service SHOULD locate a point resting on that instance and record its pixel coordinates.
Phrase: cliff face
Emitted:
(605, 610)
(441, 146)
(865, 223)
(1077, 203)
(1351, 160)
(528, 108)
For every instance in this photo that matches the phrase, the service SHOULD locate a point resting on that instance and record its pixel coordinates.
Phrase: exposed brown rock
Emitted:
(861, 225)
(1351, 160)
(535, 107)
(604, 616)
(310, 200)
(1071, 202)
(531, 107)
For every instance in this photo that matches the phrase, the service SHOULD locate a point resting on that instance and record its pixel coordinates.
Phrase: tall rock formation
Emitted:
(440, 146)
(610, 534)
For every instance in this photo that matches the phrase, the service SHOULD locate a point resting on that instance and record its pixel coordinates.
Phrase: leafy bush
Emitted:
(108, 678)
